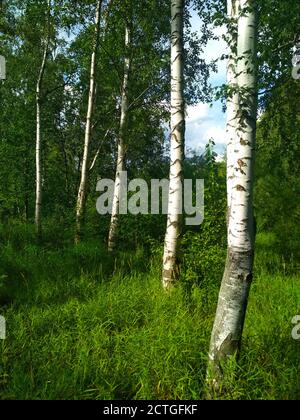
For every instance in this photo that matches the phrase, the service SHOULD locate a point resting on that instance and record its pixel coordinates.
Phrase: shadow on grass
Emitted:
(39, 274)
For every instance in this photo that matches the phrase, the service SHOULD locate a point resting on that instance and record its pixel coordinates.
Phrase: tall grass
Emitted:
(83, 324)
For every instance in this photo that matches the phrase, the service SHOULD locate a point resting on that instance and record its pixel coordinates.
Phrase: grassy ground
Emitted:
(84, 325)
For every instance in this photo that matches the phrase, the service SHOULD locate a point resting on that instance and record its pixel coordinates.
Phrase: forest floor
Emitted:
(82, 324)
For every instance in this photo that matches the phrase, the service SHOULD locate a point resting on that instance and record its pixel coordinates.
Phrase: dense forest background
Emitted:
(86, 323)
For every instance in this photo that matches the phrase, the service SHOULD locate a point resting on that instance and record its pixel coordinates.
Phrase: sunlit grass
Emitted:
(83, 324)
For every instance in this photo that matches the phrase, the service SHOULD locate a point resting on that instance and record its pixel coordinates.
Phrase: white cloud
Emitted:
(217, 133)
(216, 48)
(205, 122)
(197, 112)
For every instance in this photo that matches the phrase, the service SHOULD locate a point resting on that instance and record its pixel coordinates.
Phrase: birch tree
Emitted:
(121, 143)
(237, 279)
(38, 151)
(82, 192)
(170, 269)
(232, 100)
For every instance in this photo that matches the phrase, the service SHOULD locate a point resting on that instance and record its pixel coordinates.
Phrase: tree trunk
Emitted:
(38, 149)
(121, 145)
(233, 298)
(232, 100)
(82, 192)
(170, 268)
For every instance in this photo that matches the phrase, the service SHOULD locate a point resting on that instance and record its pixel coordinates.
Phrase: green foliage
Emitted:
(277, 187)
(277, 37)
(24, 26)
(204, 248)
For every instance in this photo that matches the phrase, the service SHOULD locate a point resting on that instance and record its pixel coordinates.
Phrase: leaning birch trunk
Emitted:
(38, 146)
(82, 192)
(170, 267)
(121, 145)
(233, 298)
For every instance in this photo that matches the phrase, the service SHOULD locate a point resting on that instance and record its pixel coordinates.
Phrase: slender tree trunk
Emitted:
(121, 145)
(38, 151)
(170, 268)
(82, 192)
(65, 159)
(233, 298)
(233, 98)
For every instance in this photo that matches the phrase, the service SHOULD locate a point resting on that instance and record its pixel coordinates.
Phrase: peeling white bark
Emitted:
(82, 192)
(231, 310)
(177, 146)
(38, 146)
(121, 145)
(232, 101)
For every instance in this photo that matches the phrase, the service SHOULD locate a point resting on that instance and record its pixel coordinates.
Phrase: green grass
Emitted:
(82, 324)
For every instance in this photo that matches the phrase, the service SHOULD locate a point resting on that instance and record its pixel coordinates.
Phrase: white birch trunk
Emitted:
(170, 267)
(38, 145)
(82, 192)
(232, 305)
(232, 101)
(112, 237)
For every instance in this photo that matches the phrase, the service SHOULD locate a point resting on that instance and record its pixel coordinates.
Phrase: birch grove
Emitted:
(231, 309)
(98, 174)
(82, 192)
(170, 268)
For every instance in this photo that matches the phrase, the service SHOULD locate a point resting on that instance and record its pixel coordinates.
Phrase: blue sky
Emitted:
(205, 122)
